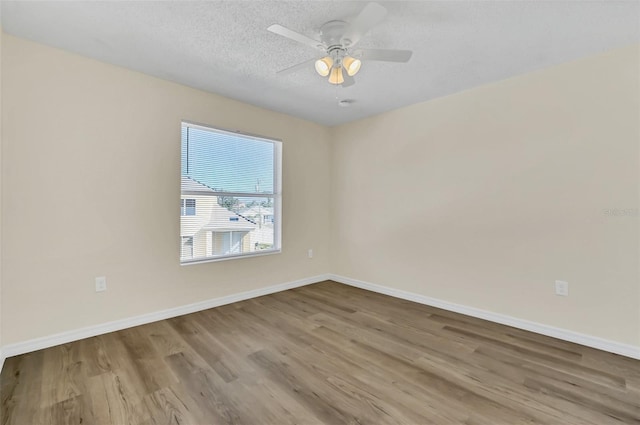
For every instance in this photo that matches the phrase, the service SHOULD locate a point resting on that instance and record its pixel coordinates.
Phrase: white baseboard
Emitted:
(563, 334)
(89, 331)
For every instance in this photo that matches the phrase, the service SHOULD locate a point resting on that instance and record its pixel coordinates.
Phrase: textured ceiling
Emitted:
(224, 47)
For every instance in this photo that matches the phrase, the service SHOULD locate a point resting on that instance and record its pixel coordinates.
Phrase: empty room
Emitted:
(390, 212)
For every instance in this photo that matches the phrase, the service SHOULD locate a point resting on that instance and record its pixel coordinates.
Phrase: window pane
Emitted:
(227, 162)
(186, 252)
(190, 208)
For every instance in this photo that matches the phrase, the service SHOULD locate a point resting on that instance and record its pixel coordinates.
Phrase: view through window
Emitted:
(230, 194)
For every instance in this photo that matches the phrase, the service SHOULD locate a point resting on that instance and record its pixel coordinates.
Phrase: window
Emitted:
(186, 250)
(234, 179)
(187, 207)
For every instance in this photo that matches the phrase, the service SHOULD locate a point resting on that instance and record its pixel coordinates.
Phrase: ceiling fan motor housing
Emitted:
(331, 34)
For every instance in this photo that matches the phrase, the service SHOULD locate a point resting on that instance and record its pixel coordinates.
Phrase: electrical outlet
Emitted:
(101, 284)
(562, 288)
(310, 253)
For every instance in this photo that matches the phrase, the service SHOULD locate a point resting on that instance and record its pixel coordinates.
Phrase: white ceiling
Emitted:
(224, 47)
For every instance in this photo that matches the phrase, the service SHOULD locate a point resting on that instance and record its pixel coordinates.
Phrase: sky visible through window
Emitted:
(227, 162)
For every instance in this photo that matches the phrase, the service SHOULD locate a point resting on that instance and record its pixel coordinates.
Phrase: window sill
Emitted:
(230, 257)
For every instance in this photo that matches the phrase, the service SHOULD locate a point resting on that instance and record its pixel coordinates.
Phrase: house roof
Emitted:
(189, 184)
(223, 220)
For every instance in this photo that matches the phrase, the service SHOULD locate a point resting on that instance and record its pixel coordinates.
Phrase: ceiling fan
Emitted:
(340, 61)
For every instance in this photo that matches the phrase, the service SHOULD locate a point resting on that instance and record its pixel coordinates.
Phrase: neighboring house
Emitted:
(208, 229)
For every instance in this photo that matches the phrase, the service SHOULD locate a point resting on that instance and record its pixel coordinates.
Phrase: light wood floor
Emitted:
(324, 353)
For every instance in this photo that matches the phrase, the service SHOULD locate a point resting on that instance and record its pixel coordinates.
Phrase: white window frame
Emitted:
(276, 196)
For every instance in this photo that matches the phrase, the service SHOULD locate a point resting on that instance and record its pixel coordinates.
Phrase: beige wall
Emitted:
(92, 184)
(482, 198)
(486, 197)
(1, 41)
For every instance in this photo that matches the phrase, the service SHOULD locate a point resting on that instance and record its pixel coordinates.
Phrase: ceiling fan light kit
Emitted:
(334, 67)
(351, 65)
(323, 66)
(337, 39)
(336, 76)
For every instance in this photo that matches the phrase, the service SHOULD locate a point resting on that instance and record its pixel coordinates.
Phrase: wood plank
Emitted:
(324, 353)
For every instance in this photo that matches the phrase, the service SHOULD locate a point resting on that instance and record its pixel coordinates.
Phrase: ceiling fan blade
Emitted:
(348, 80)
(370, 16)
(295, 36)
(294, 68)
(387, 55)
